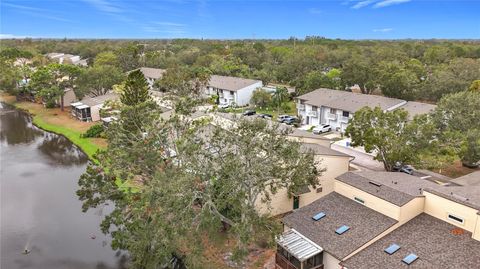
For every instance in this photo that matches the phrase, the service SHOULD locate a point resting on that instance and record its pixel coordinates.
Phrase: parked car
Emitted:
(404, 168)
(265, 116)
(291, 121)
(322, 128)
(281, 118)
(249, 112)
(223, 106)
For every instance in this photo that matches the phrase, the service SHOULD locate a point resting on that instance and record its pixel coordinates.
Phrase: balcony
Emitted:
(312, 113)
(301, 107)
(282, 263)
(344, 119)
(331, 116)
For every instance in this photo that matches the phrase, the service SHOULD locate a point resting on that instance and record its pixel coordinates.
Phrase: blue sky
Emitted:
(346, 19)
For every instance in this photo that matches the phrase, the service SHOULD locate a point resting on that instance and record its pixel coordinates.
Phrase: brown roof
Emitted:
(465, 195)
(364, 223)
(348, 101)
(429, 238)
(230, 83)
(322, 150)
(417, 108)
(472, 179)
(154, 73)
(396, 188)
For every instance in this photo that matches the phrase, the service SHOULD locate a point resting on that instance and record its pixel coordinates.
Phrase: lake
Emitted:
(40, 211)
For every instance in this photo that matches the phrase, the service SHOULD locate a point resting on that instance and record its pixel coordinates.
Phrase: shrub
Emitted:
(94, 131)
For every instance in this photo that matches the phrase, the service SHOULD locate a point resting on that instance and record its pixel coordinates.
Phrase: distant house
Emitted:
(88, 109)
(152, 74)
(232, 90)
(384, 220)
(336, 108)
(62, 58)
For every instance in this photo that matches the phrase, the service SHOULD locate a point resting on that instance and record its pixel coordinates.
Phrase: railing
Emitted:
(301, 106)
(312, 113)
(282, 262)
(344, 119)
(332, 116)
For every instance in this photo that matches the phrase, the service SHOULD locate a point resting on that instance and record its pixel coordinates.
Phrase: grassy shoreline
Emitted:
(60, 122)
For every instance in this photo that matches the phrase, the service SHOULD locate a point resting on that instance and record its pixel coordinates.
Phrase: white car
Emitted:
(223, 106)
(323, 128)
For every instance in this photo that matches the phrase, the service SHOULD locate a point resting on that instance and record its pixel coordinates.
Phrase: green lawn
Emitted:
(292, 110)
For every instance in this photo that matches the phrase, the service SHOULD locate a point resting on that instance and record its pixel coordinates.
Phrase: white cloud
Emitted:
(387, 3)
(383, 30)
(363, 4)
(105, 6)
(315, 11)
(36, 12)
(10, 36)
(166, 27)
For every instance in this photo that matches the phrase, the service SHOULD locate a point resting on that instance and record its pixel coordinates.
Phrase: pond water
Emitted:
(39, 209)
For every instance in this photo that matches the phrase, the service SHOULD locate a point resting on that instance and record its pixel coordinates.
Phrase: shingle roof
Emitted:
(396, 188)
(154, 73)
(465, 195)
(348, 101)
(97, 100)
(417, 108)
(472, 179)
(230, 83)
(322, 150)
(429, 238)
(364, 223)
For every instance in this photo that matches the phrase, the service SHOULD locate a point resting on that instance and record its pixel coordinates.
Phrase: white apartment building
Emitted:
(232, 91)
(336, 108)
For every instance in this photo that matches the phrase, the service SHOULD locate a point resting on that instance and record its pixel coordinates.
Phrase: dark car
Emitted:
(249, 112)
(265, 116)
(399, 167)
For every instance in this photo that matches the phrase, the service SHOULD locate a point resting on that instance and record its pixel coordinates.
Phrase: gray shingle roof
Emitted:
(230, 83)
(417, 108)
(348, 101)
(429, 238)
(154, 73)
(396, 188)
(321, 150)
(472, 179)
(97, 100)
(465, 195)
(364, 223)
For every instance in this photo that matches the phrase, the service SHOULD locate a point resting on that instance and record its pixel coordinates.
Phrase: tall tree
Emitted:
(360, 71)
(279, 97)
(135, 89)
(261, 98)
(98, 80)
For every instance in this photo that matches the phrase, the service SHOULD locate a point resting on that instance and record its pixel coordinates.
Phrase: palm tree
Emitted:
(279, 97)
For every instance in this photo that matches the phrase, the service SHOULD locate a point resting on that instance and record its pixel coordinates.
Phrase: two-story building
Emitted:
(152, 74)
(384, 220)
(336, 108)
(232, 91)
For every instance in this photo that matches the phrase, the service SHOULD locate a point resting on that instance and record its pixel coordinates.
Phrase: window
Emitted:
(231, 92)
(358, 200)
(314, 108)
(346, 114)
(455, 218)
(319, 190)
(221, 91)
(333, 111)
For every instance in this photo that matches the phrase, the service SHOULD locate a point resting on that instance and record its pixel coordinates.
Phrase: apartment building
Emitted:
(63, 58)
(336, 108)
(384, 220)
(232, 91)
(152, 75)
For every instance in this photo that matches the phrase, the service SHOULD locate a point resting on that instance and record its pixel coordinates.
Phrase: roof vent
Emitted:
(319, 216)
(342, 229)
(392, 249)
(375, 183)
(410, 258)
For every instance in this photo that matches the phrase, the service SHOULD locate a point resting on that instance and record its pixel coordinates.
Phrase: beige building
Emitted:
(88, 109)
(384, 220)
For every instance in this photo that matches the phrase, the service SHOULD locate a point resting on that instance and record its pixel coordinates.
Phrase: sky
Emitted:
(235, 19)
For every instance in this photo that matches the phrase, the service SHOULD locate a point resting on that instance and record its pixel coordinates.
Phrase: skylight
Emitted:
(392, 249)
(342, 229)
(319, 216)
(410, 258)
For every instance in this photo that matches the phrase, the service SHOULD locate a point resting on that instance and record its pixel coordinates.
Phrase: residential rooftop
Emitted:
(322, 150)
(154, 73)
(97, 100)
(417, 108)
(437, 244)
(393, 187)
(465, 195)
(230, 83)
(348, 101)
(364, 224)
(472, 179)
